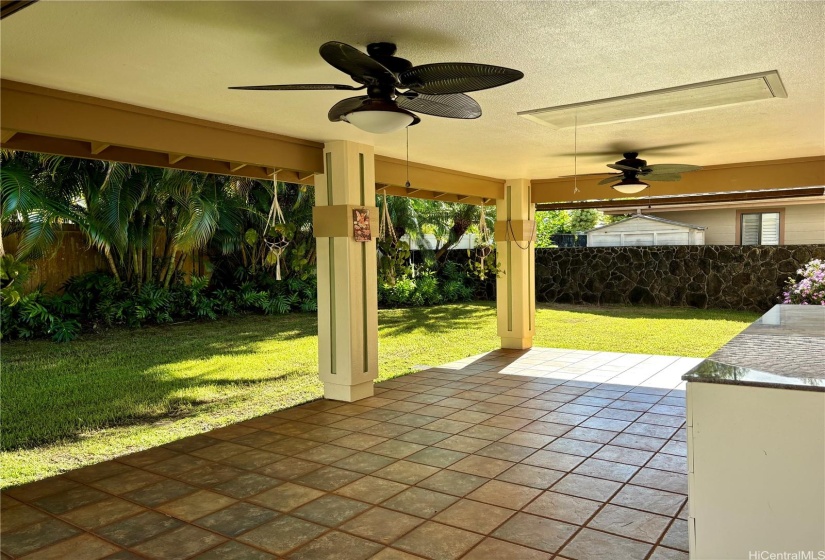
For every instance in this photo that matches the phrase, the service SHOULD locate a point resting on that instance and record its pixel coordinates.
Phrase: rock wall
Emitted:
(708, 276)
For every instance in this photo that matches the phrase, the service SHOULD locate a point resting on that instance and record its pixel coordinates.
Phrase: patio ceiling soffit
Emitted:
(39, 119)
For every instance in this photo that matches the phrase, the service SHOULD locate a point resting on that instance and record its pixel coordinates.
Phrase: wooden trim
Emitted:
(754, 175)
(738, 232)
(656, 202)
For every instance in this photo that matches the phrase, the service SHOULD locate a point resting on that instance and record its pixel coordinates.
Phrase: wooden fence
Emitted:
(73, 256)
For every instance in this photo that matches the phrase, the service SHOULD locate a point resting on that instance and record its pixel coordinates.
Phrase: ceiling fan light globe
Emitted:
(630, 186)
(380, 118)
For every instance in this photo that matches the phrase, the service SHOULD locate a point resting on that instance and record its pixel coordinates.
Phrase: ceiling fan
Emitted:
(634, 169)
(395, 89)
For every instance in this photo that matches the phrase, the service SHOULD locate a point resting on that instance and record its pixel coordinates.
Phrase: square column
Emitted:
(515, 236)
(347, 277)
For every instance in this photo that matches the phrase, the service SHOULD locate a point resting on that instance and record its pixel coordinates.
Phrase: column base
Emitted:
(517, 343)
(348, 393)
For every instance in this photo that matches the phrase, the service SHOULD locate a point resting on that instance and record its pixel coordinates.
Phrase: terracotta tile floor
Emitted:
(533, 454)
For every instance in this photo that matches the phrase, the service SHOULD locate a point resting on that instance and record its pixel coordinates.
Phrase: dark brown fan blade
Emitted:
(617, 148)
(621, 167)
(451, 105)
(299, 87)
(662, 177)
(584, 175)
(456, 77)
(360, 66)
(612, 179)
(667, 168)
(345, 106)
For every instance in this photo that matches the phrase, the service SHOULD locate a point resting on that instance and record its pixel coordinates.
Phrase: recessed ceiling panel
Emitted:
(670, 101)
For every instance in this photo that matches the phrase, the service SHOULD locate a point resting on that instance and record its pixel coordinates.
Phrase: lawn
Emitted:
(104, 395)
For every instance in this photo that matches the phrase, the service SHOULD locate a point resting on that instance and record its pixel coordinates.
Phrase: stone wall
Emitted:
(709, 276)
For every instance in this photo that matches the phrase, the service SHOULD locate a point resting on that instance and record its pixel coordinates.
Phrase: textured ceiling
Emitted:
(181, 56)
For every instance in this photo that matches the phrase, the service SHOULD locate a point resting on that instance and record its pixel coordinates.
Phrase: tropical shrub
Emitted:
(810, 288)
(451, 284)
(98, 300)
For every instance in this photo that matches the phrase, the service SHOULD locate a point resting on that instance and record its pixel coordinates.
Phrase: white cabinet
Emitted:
(756, 461)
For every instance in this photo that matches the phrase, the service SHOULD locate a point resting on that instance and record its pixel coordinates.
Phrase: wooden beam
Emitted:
(176, 158)
(688, 200)
(235, 166)
(430, 178)
(438, 196)
(6, 135)
(97, 147)
(49, 113)
(754, 175)
(392, 190)
(80, 149)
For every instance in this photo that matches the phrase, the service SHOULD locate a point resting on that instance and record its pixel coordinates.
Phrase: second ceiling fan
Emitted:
(395, 89)
(633, 170)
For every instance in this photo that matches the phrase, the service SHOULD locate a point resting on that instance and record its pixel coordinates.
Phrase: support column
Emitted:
(515, 236)
(347, 278)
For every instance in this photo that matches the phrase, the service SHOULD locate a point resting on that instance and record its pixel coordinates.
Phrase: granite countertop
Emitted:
(785, 349)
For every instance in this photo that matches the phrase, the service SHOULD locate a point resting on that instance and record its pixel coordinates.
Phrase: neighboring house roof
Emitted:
(649, 218)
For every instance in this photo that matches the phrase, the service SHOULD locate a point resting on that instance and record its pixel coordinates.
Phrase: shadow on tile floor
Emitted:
(537, 454)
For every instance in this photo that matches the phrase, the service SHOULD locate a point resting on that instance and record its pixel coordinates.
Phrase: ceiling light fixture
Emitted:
(630, 185)
(380, 116)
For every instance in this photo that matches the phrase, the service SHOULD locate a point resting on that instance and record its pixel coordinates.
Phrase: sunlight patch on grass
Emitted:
(120, 391)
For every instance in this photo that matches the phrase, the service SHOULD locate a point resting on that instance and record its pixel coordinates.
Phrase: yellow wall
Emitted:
(804, 224)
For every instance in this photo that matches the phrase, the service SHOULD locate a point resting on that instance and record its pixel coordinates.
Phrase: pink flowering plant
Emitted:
(810, 289)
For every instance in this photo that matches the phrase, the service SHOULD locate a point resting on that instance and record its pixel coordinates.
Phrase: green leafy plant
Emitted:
(13, 274)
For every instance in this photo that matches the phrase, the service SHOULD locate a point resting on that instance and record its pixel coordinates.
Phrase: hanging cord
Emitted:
(276, 216)
(407, 184)
(512, 234)
(575, 153)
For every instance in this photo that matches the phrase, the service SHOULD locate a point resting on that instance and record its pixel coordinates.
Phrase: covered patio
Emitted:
(520, 453)
(539, 453)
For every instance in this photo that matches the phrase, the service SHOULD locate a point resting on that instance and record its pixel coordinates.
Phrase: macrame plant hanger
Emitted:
(385, 227)
(484, 247)
(275, 238)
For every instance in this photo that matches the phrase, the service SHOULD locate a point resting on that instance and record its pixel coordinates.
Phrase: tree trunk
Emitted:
(136, 262)
(168, 253)
(150, 251)
(170, 271)
(112, 267)
(2, 248)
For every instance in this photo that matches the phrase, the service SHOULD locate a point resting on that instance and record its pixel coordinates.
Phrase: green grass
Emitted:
(104, 395)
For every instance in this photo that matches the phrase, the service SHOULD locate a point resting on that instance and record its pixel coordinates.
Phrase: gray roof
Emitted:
(651, 218)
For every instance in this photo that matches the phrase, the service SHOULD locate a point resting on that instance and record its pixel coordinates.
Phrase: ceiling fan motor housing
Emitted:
(631, 159)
